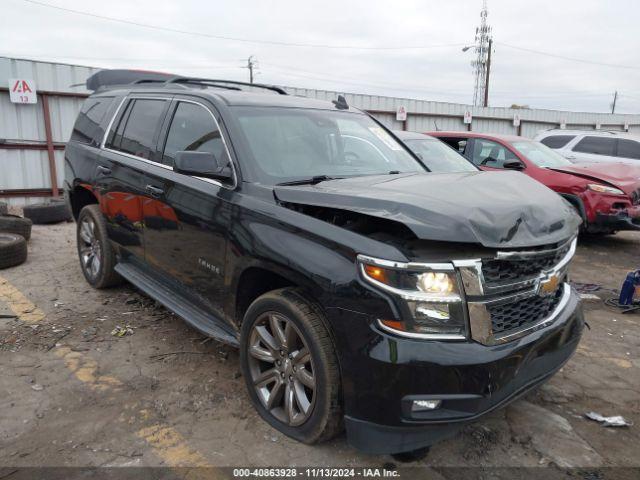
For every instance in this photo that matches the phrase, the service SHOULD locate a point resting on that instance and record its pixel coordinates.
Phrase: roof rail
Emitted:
(220, 83)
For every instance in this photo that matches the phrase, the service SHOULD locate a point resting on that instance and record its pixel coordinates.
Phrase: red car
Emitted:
(607, 196)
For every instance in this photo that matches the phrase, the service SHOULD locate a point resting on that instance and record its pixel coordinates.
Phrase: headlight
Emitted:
(596, 187)
(429, 295)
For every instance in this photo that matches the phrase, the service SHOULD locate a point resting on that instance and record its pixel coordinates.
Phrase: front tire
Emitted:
(290, 367)
(97, 257)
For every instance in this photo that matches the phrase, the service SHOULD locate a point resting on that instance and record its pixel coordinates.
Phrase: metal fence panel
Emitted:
(26, 169)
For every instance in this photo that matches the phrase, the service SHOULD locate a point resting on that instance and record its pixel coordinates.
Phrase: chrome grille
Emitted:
(522, 313)
(515, 292)
(503, 270)
(635, 197)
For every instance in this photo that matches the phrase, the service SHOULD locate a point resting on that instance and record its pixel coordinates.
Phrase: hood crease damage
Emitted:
(493, 209)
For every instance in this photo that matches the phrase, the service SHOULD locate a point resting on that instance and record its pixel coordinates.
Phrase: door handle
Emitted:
(154, 191)
(104, 170)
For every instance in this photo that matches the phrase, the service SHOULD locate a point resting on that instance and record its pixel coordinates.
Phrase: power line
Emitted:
(313, 45)
(235, 39)
(570, 59)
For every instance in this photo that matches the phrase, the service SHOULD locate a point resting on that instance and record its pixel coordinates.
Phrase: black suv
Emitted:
(363, 291)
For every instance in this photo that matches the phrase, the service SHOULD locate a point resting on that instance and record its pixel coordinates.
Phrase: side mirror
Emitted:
(200, 164)
(514, 165)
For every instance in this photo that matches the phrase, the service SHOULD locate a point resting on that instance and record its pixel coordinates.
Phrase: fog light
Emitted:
(422, 405)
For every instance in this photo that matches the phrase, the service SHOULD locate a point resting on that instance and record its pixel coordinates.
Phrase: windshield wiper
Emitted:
(310, 181)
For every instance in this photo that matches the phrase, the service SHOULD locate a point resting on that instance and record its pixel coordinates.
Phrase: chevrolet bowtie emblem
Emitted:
(548, 286)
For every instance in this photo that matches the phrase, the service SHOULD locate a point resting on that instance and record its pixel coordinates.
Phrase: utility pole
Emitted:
(250, 65)
(486, 83)
(615, 99)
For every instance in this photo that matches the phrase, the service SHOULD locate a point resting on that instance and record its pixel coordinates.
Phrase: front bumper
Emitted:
(384, 373)
(628, 219)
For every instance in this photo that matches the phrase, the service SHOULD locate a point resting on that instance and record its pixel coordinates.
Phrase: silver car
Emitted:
(593, 146)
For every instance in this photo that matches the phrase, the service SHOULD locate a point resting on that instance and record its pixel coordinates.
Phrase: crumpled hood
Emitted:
(495, 209)
(621, 175)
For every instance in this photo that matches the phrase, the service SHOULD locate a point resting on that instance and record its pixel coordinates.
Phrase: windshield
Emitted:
(439, 157)
(540, 154)
(289, 144)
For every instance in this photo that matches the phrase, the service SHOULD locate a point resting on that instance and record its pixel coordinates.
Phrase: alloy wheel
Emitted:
(281, 368)
(90, 248)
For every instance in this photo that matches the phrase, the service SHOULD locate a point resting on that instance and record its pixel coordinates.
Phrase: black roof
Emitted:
(231, 92)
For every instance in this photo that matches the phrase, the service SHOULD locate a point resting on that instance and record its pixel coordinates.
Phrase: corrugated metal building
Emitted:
(32, 148)
(32, 137)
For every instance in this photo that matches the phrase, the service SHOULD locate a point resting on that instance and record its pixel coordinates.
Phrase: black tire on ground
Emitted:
(104, 275)
(52, 212)
(4, 208)
(13, 250)
(15, 224)
(324, 421)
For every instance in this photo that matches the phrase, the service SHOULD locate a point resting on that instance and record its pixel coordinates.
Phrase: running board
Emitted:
(206, 323)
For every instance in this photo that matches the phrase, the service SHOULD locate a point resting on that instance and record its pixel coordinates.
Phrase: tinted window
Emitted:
(628, 149)
(136, 132)
(192, 129)
(596, 145)
(557, 141)
(87, 127)
(491, 154)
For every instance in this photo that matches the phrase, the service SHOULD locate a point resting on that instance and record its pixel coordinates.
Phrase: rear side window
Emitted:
(597, 146)
(491, 154)
(628, 149)
(87, 128)
(193, 129)
(557, 141)
(136, 131)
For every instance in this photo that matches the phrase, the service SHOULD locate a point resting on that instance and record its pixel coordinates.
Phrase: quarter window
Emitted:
(596, 145)
(628, 149)
(87, 127)
(557, 141)
(193, 129)
(138, 126)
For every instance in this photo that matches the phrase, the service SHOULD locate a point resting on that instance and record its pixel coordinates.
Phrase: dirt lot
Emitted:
(71, 394)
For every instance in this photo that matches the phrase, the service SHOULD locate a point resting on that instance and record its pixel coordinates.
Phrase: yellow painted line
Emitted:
(20, 305)
(166, 443)
(171, 447)
(85, 369)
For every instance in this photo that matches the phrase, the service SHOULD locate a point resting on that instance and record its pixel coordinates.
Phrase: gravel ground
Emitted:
(71, 394)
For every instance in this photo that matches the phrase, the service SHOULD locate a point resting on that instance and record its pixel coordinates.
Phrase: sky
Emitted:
(408, 48)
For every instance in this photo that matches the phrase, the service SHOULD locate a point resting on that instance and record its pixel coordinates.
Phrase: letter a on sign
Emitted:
(22, 90)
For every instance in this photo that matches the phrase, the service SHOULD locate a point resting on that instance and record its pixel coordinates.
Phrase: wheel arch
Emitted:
(578, 204)
(79, 197)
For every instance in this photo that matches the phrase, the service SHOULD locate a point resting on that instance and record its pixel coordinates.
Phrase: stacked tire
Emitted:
(14, 233)
(13, 250)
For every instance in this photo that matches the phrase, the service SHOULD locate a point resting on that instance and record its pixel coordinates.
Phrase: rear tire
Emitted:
(96, 254)
(53, 212)
(13, 250)
(286, 346)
